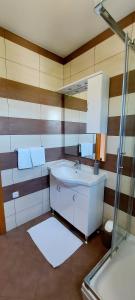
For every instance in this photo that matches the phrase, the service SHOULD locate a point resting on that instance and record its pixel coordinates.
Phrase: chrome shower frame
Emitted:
(100, 10)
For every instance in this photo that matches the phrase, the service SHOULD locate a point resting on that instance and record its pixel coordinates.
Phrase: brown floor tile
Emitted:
(26, 275)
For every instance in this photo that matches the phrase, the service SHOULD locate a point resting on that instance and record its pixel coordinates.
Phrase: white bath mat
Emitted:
(54, 241)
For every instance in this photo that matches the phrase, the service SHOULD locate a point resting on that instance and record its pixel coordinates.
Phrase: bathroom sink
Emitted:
(72, 176)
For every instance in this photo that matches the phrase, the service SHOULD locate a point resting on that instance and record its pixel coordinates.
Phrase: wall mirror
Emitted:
(85, 115)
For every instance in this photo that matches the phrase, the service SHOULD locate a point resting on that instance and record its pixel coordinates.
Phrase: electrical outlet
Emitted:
(15, 194)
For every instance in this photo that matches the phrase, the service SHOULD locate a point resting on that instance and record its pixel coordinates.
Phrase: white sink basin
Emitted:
(71, 176)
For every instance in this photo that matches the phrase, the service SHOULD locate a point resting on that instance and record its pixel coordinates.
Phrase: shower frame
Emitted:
(100, 10)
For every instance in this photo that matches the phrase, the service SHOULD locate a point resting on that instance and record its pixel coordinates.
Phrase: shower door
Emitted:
(124, 193)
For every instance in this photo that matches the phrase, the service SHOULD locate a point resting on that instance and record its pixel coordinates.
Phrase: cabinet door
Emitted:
(81, 208)
(65, 205)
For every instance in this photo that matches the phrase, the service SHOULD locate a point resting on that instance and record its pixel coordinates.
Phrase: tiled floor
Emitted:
(26, 275)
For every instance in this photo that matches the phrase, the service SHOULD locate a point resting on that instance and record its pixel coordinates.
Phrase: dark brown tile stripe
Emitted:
(75, 103)
(114, 124)
(108, 165)
(26, 187)
(29, 45)
(116, 84)
(128, 20)
(109, 197)
(20, 126)
(9, 160)
(19, 91)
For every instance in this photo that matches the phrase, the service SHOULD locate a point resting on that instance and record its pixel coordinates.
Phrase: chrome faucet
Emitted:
(77, 164)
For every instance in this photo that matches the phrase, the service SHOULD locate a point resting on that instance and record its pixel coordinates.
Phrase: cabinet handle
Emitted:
(73, 197)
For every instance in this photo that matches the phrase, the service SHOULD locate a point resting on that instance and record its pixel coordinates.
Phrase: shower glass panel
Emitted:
(124, 192)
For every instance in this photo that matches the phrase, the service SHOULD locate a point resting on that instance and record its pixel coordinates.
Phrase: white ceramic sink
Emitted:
(72, 176)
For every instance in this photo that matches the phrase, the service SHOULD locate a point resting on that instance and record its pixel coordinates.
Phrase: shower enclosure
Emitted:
(122, 243)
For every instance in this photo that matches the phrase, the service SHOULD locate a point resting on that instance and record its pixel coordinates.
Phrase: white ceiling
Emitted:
(60, 26)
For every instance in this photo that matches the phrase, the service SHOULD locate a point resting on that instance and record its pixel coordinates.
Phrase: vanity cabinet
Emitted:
(81, 206)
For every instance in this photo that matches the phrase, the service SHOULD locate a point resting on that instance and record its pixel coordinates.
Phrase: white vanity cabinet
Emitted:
(82, 206)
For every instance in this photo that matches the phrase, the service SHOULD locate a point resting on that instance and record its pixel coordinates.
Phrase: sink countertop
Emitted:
(86, 178)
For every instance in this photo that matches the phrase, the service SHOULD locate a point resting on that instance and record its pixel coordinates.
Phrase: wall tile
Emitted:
(113, 143)
(4, 143)
(2, 47)
(25, 141)
(22, 73)
(71, 139)
(29, 214)
(28, 201)
(82, 74)
(27, 174)
(115, 105)
(46, 201)
(112, 66)
(21, 109)
(83, 116)
(52, 113)
(10, 222)
(66, 71)
(7, 177)
(108, 48)
(49, 82)
(52, 140)
(3, 107)
(72, 115)
(51, 67)
(125, 182)
(2, 68)
(82, 62)
(9, 208)
(21, 55)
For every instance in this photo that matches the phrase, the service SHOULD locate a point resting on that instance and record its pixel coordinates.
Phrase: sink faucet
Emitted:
(77, 164)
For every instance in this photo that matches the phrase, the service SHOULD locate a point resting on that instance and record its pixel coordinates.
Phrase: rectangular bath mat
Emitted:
(54, 241)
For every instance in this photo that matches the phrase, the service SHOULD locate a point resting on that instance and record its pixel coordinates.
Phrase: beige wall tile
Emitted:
(4, 143)
(46, 202)
(72, 115)
(10, 222)
(25, 141)
(22, 55)
(2, 68)
(108, 48)
(82, 74)
(28, 201)
(2, 47)
(66, 71)
(6, 177)
(9, 208)
(22, 74)
(52, 140)
(66, 81)
(22, 109)
(82, 62)
(51, 67)
(112, 66)
(27, 174)
(113, 143)
(29, 214)
(49, 112)
(133, 32)
(3, 107)
(50, 82)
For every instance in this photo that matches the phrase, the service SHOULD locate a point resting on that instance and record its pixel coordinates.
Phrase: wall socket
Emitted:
(15, 194)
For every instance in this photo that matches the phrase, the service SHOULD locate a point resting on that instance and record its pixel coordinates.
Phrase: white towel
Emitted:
(87, 149)
(37, 156)
(24, 159)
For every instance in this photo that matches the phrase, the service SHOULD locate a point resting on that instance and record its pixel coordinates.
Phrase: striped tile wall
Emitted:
(30, 115)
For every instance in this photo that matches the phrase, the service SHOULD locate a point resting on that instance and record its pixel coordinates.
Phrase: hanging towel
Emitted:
(37, 156)
(87, 149)
(24, 159)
